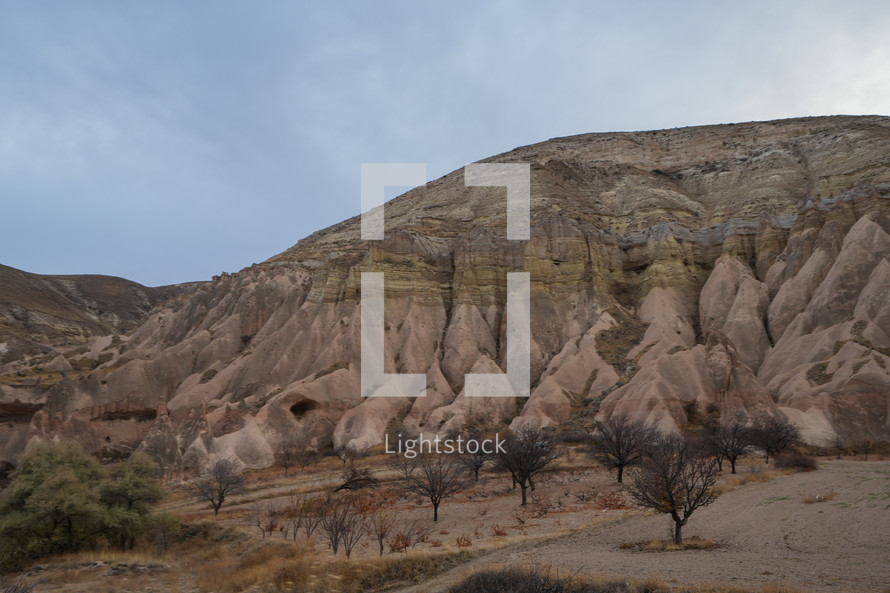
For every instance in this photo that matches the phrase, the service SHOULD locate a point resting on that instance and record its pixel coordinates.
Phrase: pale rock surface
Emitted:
(733, 303)
(676, 275)
(574, 375)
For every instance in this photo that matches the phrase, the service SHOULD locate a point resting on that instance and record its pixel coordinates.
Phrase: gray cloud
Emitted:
(170, 141)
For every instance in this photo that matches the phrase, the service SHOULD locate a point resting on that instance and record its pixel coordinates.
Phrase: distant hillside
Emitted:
(38, 313)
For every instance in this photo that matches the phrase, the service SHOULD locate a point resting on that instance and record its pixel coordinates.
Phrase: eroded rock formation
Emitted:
(675, 275)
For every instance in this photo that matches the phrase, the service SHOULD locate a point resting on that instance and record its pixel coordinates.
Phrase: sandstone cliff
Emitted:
(675, 275)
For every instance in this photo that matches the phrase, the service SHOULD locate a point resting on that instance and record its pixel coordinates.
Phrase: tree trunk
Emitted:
(620, 473)
(524, 488)
(435, 511)
(732, 465)
(678, 539)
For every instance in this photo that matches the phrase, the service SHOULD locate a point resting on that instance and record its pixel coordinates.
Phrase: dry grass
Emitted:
(668, 545)
(288, 567)
(751, 477)
(503, 578)
(724, 588)
(221, 555)
(231, 572)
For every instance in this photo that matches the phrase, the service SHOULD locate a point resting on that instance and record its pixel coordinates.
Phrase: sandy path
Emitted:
(767, 534)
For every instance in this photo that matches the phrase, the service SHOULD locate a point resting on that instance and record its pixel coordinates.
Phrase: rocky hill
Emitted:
(676, 275)
(39, 313)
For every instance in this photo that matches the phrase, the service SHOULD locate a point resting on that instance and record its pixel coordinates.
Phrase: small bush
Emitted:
(666, 545)
(795, 460)
(512, 581)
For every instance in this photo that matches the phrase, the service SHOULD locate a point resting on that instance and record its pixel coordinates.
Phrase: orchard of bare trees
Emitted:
(668, 473)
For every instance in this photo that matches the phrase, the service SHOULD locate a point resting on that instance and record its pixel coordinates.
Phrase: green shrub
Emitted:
(60, 499)
(52, 502)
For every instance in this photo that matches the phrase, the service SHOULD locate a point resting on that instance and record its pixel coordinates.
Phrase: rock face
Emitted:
(675, 275)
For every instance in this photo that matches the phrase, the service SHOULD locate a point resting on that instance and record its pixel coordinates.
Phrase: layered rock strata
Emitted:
(676, 276)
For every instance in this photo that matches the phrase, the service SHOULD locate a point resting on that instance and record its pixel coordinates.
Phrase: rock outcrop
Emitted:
(676, 276)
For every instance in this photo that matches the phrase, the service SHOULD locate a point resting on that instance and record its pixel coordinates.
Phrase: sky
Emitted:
(169, 141)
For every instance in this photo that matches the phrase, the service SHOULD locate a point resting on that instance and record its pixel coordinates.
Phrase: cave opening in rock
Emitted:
(302, 408)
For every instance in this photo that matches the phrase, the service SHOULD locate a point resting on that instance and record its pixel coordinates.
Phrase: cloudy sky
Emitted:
(168, 141)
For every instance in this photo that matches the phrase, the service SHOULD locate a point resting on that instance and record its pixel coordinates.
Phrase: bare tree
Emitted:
(287, 456)
(772, 434)
(729, 442)
(334, 517)
(266, 518)
(383, 521)
(674, 480)
(254, 518)
(404, 466)
(408, 535)
(219, 481)
(297, 452)
(863, 446)
(526, 452)
(306, 457)
(344, 520)
(349, 453)
(475, 461)
(293, 512)
(355, 478)
(360, 524)
(309, 513)
(840, 445)
(438, 478)
(619, 442)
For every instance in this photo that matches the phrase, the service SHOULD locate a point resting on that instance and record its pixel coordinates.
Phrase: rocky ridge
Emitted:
(676, 275)
(39, 313)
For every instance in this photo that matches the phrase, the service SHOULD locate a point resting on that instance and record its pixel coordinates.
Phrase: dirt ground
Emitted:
(575, 523)
(766, 534)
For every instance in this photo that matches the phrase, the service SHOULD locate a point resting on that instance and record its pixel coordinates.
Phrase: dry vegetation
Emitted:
(226, 555)
(669, 545)
(525, 581)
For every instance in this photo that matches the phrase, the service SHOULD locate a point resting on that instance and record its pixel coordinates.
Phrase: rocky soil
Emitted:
(766, 534)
